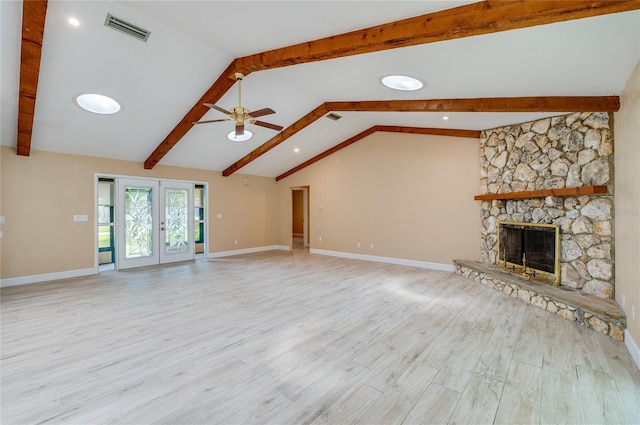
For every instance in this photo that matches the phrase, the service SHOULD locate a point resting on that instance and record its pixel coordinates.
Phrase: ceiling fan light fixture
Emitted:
(402, 82)
(240, 138)
(97, 103)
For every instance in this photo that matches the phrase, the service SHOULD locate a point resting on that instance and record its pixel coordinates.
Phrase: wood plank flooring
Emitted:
(294, 338)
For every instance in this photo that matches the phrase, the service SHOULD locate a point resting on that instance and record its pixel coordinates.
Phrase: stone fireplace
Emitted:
(567, 151)
(555, 172)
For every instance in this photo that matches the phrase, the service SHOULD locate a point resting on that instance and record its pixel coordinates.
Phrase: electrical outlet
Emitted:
(623, 299)
(80, 217)
(320, 238)
(1, 219)
(219, 215)
(633, 312)
(235, 242)
(371, 246)
(358, 245)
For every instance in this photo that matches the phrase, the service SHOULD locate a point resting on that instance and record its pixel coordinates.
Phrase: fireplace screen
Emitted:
(530, 250)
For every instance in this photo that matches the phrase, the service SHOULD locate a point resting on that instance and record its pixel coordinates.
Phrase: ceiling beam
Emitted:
(487, 104)
(474, 134)
(224, 82)
(451, 132)
(33, 18)
(465, 21)
(483, 17)
(328, 152)
(277, 139)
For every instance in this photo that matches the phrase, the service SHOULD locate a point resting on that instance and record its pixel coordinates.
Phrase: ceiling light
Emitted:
(296, 150)
(97, 103)
(240, 138)
(402, 82)
(74, 22)
(445, 118)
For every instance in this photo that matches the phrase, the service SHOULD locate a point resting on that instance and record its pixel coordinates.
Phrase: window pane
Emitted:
(104, 236)
(198, 197)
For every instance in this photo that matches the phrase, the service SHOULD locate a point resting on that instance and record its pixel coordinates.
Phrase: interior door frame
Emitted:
(115, 177)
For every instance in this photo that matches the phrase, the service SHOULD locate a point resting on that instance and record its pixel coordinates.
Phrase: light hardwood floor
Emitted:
(287, 338)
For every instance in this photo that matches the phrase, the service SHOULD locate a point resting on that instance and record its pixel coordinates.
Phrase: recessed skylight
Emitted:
(241, 138)
(402, 82)
(73, 21)
(97, 103)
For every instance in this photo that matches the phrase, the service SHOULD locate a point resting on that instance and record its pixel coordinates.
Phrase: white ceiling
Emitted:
(191, 43)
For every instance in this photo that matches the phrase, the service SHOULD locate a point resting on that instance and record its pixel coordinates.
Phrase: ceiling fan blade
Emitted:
(217, 108)
(208, 121)
(262, 112)
(239, 129)
(268, 125)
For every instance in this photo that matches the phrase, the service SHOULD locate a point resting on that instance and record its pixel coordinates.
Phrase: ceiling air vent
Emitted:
(334, 116)
(126, 27)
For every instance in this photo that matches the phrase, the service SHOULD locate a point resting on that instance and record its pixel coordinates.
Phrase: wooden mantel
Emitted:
(542, 193)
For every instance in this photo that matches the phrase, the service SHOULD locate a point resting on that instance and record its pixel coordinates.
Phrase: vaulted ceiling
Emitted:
(485, 65)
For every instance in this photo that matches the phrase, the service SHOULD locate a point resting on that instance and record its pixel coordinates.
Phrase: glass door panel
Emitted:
(176, 222)
(138, 218)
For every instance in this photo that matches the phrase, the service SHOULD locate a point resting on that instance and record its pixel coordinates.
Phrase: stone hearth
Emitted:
(600, 314)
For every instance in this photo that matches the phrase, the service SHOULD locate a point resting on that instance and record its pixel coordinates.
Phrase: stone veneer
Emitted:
(565, 151)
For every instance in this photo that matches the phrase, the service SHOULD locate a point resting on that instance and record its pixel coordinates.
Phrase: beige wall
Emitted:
(41, 194)
(627, 203)
(409, 195)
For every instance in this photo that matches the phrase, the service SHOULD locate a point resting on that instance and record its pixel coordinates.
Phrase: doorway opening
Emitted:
(300, 217)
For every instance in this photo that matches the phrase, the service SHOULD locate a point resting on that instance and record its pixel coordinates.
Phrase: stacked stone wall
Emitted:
(566, 151)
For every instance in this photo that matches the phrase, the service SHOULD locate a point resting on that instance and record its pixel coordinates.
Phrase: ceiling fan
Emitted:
(241, 115)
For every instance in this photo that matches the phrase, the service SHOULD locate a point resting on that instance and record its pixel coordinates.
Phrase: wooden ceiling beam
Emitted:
(465, 21)
(487, 104)
(224, 82)
(328, 152)
(474, 134)
(34, 14)
(452, 132)
(484, 17)
(277, 139)
(492, 104)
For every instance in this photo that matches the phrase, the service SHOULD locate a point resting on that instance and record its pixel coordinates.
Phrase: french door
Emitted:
(155, 222)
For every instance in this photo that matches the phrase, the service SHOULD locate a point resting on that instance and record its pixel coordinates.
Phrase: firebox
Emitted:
(530, 250)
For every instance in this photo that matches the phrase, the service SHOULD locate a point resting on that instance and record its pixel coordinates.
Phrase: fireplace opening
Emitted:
(530, 250)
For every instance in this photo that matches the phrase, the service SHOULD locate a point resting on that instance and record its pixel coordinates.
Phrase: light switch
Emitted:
(219, 215)
(1, 219)
(80, 217)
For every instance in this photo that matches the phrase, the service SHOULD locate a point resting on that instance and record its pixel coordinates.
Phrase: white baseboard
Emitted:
(389, 260)
(221, 254)
(632, 347)
(45, 277)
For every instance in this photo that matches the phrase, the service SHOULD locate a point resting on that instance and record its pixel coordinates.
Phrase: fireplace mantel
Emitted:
(542, 193)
